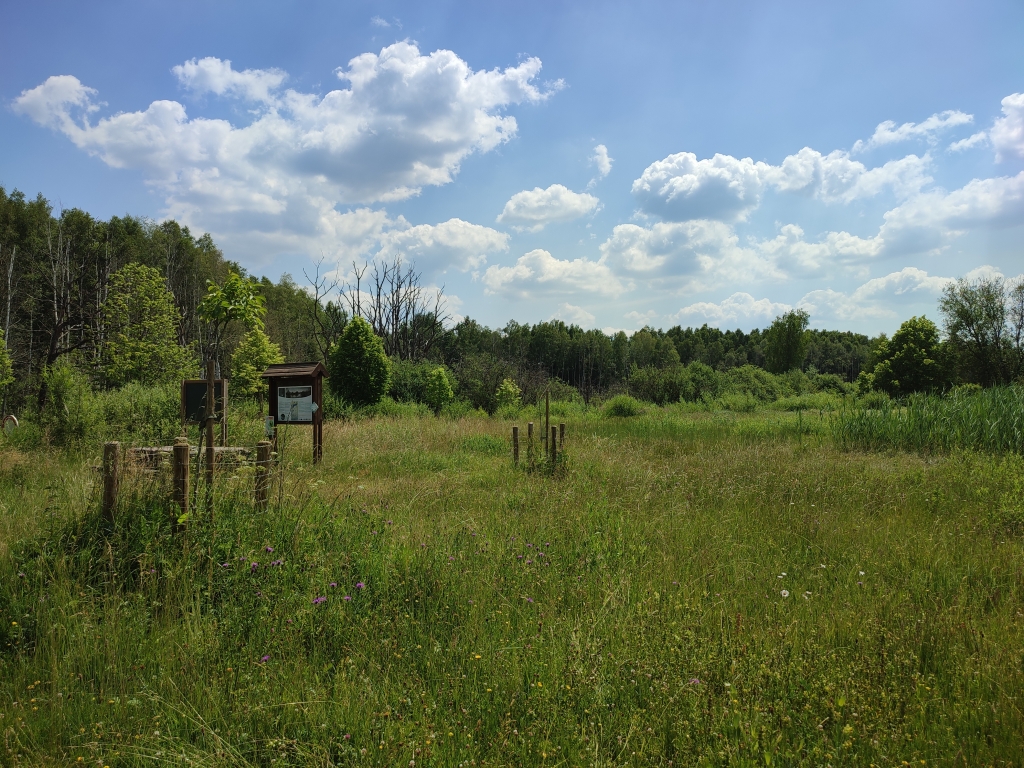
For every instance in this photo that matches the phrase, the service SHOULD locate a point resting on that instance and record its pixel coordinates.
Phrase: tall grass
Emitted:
(694, 588)
(989, 420)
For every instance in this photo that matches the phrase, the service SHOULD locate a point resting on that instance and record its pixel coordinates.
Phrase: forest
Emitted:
(130, 300)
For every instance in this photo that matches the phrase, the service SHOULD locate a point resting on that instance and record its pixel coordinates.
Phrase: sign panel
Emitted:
(193, 399)
(295, 404)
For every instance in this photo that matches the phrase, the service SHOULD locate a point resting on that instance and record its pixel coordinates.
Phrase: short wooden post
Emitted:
(554, 445)
(529, 444)
(263, 461)
(179, 471)
(561, 435)
(515, 445)
(111, 454)
(211, 416)
(547, 414)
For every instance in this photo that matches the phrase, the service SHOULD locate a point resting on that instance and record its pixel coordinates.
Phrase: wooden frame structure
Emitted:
(293, 378)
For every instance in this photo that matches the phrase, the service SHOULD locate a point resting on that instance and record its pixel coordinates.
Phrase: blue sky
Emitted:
(612, 165)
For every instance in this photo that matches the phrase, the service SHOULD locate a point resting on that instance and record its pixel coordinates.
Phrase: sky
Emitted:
(612, 165)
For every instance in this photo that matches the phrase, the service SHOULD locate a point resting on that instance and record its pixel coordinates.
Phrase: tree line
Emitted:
(132, 300)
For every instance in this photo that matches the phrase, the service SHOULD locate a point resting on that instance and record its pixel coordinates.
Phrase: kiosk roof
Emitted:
(285, 370)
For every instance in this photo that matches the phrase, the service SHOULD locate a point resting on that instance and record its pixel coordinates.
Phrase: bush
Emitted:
(251, 358)
(71, 414)
(142, 415)
(409, 381)
(562, 392)
(623, 406)
(508, 396)
(702, 383)
(660, 385)
(359, 370)
(459, 409)
(756, 383)
(438, 392)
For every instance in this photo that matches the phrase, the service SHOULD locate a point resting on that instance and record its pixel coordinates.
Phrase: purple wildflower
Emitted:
(359, 585)
(333, 584)
(346, 598)
(222, 565)
(270, 549)
(694, 681)
(258, 593)
(318, 600)
(528, 562)
(519, 557)
(265, 659)
(347, 736)
(529, 599)
(253, 567)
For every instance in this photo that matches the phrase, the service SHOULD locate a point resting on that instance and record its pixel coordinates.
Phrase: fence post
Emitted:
(179, 468)
(561, 436)
(515, 445)
(262, 473)
(211, 411)
(554, 446)
(111, 455)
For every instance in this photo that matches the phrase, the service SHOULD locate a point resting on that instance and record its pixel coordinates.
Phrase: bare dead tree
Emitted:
(327, 317)
(402, 312)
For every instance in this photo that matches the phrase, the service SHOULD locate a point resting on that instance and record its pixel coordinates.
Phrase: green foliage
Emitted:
(6, 372)
(141, 330)
(250, 360)
(623, 406)
(704, 383)
(964, 419)
(237, 300)
(359, 370)
(71, 414)
(984, 324)
(141, 415)
(409, 380)
(438, 392)
(908, 361)
(508, 395)
(786, 341)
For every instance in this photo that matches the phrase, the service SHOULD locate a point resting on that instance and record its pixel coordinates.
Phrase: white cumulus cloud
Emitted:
(602, 161)
(539, 271)
(1008, 131)
(889, 133)
(533, 209)
(573, 315)
(403, 121)
(453, 244)
(738, 306)
(880, 297)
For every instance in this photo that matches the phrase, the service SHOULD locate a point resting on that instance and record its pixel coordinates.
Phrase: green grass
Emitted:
(654, 628)
(989, 420)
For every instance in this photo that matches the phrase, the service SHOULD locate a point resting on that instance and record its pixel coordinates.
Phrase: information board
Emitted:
(295, 404)
(193, 399)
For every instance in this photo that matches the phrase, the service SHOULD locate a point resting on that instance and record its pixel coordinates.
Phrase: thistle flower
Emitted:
(318, 600)
(269, 549)
(265, 659)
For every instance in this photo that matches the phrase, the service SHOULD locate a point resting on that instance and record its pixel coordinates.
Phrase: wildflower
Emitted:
(224, 565)
(785, 593)
(21, 575)
(270, 549)
(528, 562)
(519, 557)
(359, 585)
(253, 567)
(346, 598)
(861, 573)
(347, 736)
(694, 681)
(265, 659)
(318, 600)
(529, 599)
(333, 584)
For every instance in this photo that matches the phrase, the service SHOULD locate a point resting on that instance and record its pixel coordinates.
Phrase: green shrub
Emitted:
(757, 383)
(142, 415)
(701, 383)
(508, 396)
(409, 380)
(562, 392)
(250, 359)
(438, 392)
(71, 414)
(459, 409)
(623, 406)
(359, 370)
(660, 385)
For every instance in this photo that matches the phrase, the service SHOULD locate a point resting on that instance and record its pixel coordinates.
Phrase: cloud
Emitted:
(404, 121)
(453, 244)
(539, 271)
(602, 161)
(724, 188)
(532, 210)
(974, 140)
(791, 253)
(641, 317)
(213, 75)
(573, 315)
(735, 307)
(1008, 131)
(889, 133)
(880, 297)
(705, 249)
(683, 188)
(377, 21)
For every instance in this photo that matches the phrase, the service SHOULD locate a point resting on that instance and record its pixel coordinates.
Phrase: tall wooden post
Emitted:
(211, 417)
(554, 446)
(561, 435)
(179, 469)
(111, 455)
(262, 473)
(529, 443)
(318, 421)
(547, 414)
(515, 445)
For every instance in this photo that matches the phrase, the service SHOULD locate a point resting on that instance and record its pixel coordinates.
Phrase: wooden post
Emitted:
(211, 417)
(262, 473)
(529, 443)
(179, 468)
(547, 413)
(515, 445)
(318, 420)
(561, 435)
(111, 453)
(554, 446)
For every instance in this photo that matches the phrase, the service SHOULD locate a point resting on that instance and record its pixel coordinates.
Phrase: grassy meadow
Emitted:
(686, 588)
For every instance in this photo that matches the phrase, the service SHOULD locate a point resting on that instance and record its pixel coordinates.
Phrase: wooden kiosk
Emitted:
(193, 403)
(297, 397)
